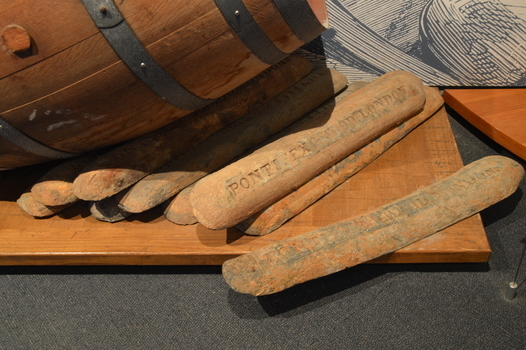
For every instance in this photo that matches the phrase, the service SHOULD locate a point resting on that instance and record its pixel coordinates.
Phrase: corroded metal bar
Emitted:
(233, 140)
(178, 210)
(126, 164)
(234, 193)
(107, 210)
(27, 203)
(56, 186)
(364, 237)
(272, 217)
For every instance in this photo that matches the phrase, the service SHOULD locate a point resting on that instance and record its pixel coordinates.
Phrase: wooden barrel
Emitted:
(77, 76)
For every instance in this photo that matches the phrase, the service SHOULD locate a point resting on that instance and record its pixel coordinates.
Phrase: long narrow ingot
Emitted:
(349, 242)
(229, 196)
(130, 162)
(272, 217)
(233, 140)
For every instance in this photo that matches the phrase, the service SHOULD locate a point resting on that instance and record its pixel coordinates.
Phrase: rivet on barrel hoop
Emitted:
(120, 36)
(248, 30)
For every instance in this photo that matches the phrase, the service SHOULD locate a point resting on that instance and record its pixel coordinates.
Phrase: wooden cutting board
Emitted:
(498, 113)
(73, 237)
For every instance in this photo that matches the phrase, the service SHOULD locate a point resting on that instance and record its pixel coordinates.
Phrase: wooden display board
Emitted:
(73, 237)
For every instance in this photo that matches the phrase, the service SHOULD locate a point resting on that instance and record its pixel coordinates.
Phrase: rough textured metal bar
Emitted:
(271, 218)
(126, 164)
(21, 140)
(227, 197)
(107, 210)
(27, 203)
(300, 18)
(55, 187)
(239, 18)
(233, 140)
(393, 226)
(178, 210)
(120, 36)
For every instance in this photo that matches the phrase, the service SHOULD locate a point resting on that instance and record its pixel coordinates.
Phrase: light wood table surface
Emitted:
(498, 113)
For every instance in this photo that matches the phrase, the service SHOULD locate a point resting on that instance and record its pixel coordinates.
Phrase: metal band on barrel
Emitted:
(239, 18)
(21, 140)
(300, 18)
(120, 36)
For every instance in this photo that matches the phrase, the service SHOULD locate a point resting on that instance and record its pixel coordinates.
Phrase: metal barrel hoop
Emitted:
(131, 51)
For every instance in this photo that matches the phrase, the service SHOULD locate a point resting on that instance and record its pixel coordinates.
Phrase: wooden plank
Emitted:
(74, 237)
(498, 113)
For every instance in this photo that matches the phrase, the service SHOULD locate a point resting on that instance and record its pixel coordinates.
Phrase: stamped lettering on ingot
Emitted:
(258, 175)
(288, 159)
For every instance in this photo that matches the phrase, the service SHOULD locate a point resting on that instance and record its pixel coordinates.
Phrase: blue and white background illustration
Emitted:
(444, 42)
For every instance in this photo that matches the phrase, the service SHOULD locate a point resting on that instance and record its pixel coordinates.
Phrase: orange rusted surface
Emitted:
(27, 203)
(56, 186)
(127, 164)
(239, 190)
(178, 210)
(272, 217)
(233, 140)
(362, 238)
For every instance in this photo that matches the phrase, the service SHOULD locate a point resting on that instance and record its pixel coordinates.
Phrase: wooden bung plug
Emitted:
(15, 39)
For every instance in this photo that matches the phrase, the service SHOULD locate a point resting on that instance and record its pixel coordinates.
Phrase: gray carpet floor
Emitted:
(408, 306)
